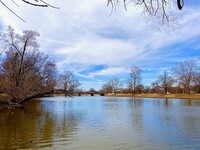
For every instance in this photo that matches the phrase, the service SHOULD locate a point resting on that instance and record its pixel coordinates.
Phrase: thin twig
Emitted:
(12, 11)
(49, 4)
(15, 3)
(38, 5)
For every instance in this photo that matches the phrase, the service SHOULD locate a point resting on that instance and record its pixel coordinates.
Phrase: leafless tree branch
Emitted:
(159, 9)
(49, 4)
(38, 3)
(11, 11)
(15, 3)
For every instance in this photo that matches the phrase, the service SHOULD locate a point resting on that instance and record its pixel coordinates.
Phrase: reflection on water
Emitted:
(96, 123)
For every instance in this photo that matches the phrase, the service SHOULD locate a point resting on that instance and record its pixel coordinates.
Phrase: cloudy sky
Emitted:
(82, 37)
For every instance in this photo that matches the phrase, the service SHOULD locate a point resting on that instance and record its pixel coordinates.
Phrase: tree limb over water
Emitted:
(25, 72)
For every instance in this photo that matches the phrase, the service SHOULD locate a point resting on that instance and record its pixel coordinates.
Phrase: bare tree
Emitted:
(196, 81)
(139, 88)
(185, 72)
(154, 88)
(68, 83)
(130, 85)
(111, 86)
(115, 84)
(134, 79)
(24, 71)
(106, 88)
(164, 82)
(159, 9)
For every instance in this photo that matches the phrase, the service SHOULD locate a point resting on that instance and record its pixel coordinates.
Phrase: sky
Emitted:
(84, 38)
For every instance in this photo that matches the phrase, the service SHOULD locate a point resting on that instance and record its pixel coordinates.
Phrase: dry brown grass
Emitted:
(180, 96)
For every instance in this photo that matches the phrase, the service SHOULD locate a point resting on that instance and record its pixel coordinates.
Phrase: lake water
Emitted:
(102, 123)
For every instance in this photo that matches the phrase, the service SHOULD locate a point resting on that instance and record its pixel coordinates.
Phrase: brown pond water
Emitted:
(102, 123)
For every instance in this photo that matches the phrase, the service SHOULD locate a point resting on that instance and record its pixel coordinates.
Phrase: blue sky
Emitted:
(83, 38)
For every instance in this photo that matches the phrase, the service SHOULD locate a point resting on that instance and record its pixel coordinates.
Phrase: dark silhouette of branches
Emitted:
(34, 4)
(155, 8)
(180, 4)
(37, 3)
(11, 10)
(49, 4)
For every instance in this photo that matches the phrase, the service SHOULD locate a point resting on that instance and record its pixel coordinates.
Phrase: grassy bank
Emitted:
(181, 96)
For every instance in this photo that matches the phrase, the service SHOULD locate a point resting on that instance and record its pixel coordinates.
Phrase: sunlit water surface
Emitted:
(102, 123)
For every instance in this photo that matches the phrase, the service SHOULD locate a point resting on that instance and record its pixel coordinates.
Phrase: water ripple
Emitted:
(96, 123)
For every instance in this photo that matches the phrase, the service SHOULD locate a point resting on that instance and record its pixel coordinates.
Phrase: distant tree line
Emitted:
(25, 72)
(182, 78)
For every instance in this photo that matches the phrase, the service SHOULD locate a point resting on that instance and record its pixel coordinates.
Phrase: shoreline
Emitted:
(178, 96)
(170, 96)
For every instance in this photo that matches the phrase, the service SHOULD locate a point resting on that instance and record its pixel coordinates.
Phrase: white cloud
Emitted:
(99, 51)
(110, 71)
